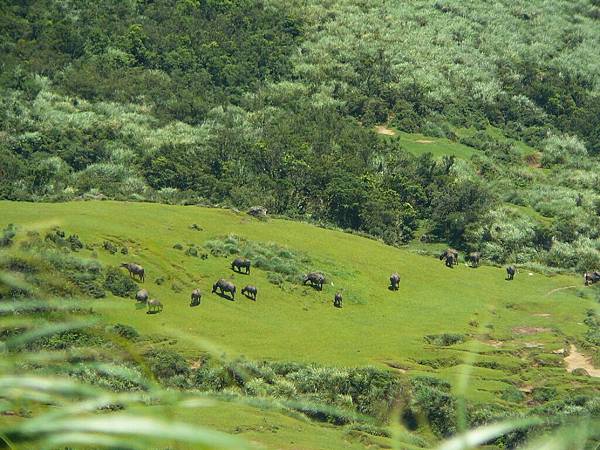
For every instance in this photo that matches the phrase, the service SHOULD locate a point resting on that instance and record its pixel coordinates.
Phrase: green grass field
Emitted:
(509, 326)
(417, 144)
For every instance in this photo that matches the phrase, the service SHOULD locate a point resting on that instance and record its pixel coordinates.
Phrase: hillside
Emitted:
(376, 135)
(509, 332)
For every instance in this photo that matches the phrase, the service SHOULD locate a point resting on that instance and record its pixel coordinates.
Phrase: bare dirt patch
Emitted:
(493, 343)
(423, 141)
(541, 315)
(529, 330)
(577, 360)
(382, 129)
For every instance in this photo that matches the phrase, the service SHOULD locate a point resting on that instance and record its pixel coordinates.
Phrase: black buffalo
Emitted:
(135, 270)
(510, 272)
(224, 286)
(250, 292)
(451, 257)
(196, 297)
(337, 300)
(591, 277)
(142, 295)
(394, 281)
(474, 258)
(315, 279)
(241, 263)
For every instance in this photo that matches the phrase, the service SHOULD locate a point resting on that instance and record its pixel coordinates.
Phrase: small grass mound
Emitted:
(445, 339)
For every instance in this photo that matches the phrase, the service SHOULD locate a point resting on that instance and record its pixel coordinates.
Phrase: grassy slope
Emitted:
(418, 143)
(374, 327)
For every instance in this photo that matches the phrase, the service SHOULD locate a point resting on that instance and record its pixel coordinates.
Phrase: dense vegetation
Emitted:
(273, 103)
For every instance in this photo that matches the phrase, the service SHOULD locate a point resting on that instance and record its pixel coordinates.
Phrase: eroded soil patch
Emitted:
(577, 360)
(529, 330)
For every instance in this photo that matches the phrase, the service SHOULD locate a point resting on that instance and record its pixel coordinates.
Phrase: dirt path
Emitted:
(559, 289)
(577, 360)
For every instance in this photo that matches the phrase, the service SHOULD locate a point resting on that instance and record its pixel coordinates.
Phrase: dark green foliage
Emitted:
(512, 394)
(117, 282)
(191, 251)
(125, 331)
(543, 394)
(431, 399)
(109, 247)
(445, 339)
(241, 104)
(167, 366)
(6, 239)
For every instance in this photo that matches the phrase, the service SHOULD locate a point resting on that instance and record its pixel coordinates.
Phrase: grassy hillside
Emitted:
(491, 339)
(294, 322)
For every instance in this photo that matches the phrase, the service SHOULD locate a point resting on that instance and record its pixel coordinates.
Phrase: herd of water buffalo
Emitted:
(242, 265)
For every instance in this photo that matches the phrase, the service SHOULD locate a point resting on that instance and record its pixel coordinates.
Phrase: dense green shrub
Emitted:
(166, 365)
(445, 339)
(125, 331)
(118, 283)
(431, 398)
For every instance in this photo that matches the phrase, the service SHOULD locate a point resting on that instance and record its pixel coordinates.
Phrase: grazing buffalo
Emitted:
(250, 292)
(451, 257)
(224, 286)
(591, 277)
(239, 263)
(315, 279)
(154, 306)
(196, 297)
(135, 270)
(142, 295)
(394, 281)
(474, 258)
(337, 300)
(510, 272)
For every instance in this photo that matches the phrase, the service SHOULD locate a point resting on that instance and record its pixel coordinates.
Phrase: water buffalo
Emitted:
(195, 297)
(474, 258)
(142, 295)
(591, 277)
(394, 281)
(337, 300)
(239, 263)
(250, 292)
(154, 306)
(135, 270)
(451, 257)
(315, 279)
(510, 272)
(224, 286)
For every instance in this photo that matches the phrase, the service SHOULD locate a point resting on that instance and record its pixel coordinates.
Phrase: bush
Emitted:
(125, 331)
(109, 247)
(118, 283)
(431, 398)
(445, 339)
(166, 364)
(512, 394)
(544, 394)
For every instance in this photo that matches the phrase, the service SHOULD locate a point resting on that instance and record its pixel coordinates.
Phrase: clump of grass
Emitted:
(445, 339)
(282, 263)
(6, 240)
(118, 283)
(109, 247)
